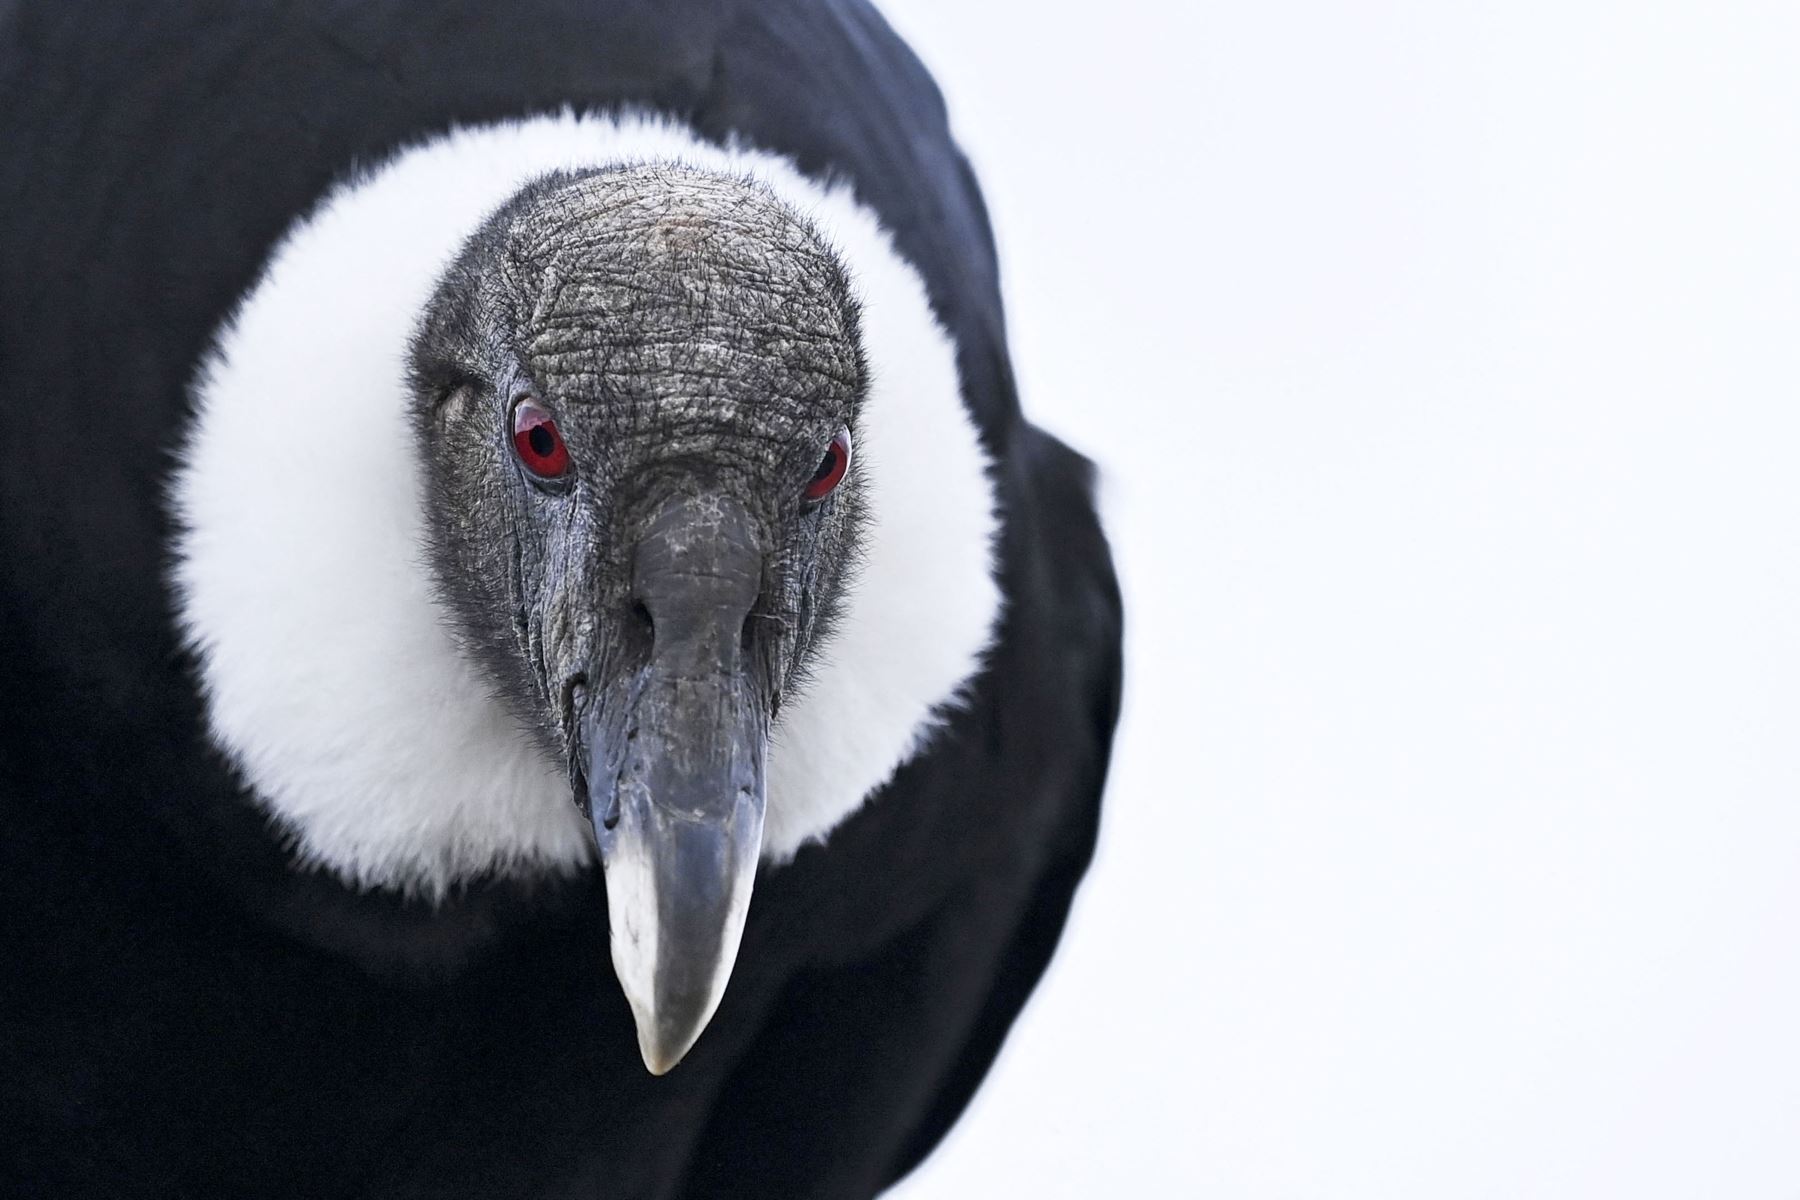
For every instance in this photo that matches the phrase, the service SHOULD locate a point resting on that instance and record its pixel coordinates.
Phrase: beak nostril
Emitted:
(640, 612)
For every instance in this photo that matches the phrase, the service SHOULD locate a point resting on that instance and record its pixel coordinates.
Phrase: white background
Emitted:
(1444, 361)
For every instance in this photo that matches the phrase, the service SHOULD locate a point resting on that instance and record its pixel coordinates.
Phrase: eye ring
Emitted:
(831, 470)
(536, 441)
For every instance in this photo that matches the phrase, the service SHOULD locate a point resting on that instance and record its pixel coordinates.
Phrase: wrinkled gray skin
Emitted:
(697, 344)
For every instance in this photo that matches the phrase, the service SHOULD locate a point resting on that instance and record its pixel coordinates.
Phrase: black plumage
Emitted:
(182, 1012)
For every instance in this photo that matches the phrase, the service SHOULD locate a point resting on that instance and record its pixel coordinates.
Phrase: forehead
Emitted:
(674, 288)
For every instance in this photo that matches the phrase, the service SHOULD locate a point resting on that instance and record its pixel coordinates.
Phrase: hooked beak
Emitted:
(676, 788)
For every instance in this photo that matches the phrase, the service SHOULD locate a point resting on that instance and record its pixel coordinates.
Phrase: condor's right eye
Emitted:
(536, 440)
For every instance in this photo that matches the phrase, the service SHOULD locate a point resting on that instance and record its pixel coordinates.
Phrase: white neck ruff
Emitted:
(330, 677)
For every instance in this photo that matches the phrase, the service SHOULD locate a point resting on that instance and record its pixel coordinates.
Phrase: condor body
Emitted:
(520, 561)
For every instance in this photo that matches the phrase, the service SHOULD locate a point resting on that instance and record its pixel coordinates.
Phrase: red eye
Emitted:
(536, 441)
(831, 468)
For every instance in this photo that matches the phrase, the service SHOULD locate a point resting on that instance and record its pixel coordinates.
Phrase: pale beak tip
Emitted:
(663, 1044)
(658, 1060)
(678, 894)
(662, 1055)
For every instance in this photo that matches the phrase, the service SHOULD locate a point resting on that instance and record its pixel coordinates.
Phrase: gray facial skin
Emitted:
(697, 345)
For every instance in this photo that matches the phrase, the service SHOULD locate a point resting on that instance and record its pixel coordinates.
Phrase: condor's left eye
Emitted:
(832, 469)
(537, 441)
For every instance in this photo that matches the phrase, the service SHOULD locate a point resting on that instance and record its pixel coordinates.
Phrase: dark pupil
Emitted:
(826, 466)
(543, 442)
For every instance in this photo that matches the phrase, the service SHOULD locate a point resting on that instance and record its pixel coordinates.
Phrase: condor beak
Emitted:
(678, 806)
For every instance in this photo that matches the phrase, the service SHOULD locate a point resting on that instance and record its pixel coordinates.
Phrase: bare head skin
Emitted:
(637, 393)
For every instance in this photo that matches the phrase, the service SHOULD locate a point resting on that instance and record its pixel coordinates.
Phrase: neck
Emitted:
(331, 679)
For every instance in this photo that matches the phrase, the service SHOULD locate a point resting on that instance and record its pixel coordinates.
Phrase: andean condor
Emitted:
(483, 485)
